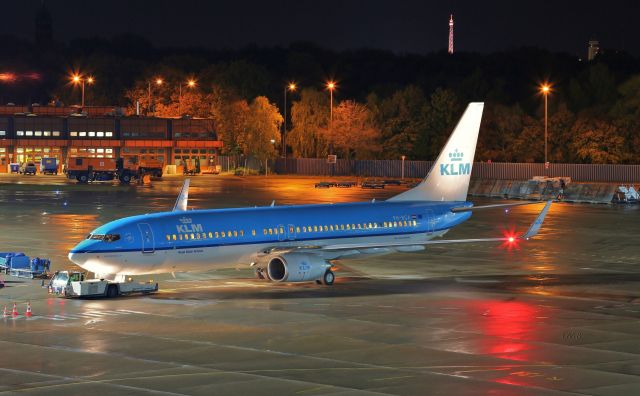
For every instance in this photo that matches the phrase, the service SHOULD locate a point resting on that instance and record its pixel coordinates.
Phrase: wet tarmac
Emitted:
(557, 315)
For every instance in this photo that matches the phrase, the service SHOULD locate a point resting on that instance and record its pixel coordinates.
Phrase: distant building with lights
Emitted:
(29, 134)
(593, 50)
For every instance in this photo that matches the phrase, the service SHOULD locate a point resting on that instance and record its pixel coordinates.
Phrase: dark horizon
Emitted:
(401, 27)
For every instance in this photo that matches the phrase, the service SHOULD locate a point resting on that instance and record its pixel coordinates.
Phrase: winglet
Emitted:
(535, 226)
(183, 197)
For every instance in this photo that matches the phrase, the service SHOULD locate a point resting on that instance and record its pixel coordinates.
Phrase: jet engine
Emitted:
(299, 267)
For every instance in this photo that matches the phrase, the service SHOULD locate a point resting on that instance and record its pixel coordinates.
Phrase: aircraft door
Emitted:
(291, 232)
(148, 245)
(281, 232)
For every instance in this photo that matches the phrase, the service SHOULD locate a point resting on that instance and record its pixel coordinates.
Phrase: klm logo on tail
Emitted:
(456, 166)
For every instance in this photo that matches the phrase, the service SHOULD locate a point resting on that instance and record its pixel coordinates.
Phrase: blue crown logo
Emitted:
(185, 220)
(456, 156)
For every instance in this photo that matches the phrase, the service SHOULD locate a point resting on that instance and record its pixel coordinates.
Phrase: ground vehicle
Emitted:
(85, 170)
(75, 284)
(372, 183)
(28, 168)
(151, 166)
(18, 264)
(49, 166)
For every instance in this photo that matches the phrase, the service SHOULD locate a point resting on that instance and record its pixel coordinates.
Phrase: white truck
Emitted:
(74, 284)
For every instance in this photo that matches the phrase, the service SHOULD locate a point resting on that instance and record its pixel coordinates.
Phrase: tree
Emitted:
(262, 131)
(352, 132)
(500, 128)
(441, 115)
(400, 118)
(597, 141)
(309, 116)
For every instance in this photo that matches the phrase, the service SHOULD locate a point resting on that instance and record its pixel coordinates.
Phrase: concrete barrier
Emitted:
(501, 188)
(543, 190)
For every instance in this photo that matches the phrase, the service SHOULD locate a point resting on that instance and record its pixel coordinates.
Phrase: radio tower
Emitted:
(451, 34)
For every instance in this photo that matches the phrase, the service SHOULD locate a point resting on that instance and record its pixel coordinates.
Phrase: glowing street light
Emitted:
(191, 84)
(78, 79)
(158, 82)
(545, 89)
(291, 87)
(331, 85)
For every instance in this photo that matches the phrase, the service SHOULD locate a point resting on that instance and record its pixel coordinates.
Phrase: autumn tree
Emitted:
(309, 116)
(442, 113)
(352, 132)
(598, 141)
(262, 131)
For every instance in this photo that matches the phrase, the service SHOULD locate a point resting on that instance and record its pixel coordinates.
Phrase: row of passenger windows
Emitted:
(298, 230)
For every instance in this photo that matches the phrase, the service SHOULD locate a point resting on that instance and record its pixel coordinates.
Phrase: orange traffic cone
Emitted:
(15, 310)
(28, 313)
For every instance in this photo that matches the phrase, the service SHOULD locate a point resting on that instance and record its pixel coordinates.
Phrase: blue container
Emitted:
(49, 165)
(14, 168)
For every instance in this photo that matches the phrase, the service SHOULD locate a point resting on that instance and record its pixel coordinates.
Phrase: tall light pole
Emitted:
(545, 89)
(191, 84)
(331, 85)
(158, 82)
(289, 88)
(78, 79)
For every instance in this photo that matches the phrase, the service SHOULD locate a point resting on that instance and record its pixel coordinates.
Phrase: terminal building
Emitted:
(29, 134)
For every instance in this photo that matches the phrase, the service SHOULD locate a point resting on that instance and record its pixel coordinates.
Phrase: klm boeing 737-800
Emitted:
(295, 243)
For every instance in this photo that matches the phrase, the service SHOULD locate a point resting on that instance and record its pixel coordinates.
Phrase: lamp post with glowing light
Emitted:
(78, 79)
(331, 85)
(289, 88)
(158, 82)
(545, 89)
(191, 84)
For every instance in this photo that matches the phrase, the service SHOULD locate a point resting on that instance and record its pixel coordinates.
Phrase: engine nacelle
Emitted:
(296, 267)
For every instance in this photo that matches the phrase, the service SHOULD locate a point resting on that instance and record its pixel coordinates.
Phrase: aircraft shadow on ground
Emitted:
(361, 287)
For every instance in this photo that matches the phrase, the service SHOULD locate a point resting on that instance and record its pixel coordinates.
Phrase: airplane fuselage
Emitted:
(201, 240)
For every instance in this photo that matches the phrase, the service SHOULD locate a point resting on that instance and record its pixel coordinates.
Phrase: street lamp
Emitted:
(191, 84)
(545, 89)
(331, 85)
(158, 82)
(290, 87)
(78, 79)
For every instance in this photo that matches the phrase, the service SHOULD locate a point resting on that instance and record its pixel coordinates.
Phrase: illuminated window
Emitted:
(348, 226)
(270, 231)
(253, 232)
(315, 228)
(197, 236)
(173, 237)
(241, 232)
(342, 226)
(265, 231)
(395, 223)
(56, 133)
(330, 227)
(180, 236)
(415, 223)
(210, 235)
(222, 233)
(38, 133)
(235, 234)
(304, 229)
(216, 234)
(108, 134)
(204, 235)
(326, 228)
(281, 230)
(229, 234)
(370, 225)
(168, 237)
(298, 230)
(82, 134)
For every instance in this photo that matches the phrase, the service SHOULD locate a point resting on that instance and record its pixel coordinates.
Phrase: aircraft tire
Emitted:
(328, 278)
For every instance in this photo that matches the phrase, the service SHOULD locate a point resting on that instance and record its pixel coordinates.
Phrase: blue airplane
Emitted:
(296, 243)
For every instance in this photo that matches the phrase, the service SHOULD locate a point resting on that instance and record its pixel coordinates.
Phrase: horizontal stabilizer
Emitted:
(183, 197)
(494, 206)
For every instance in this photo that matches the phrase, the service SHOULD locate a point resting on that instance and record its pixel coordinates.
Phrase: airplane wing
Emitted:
(531, 232)
(183, 197)
(474, 208)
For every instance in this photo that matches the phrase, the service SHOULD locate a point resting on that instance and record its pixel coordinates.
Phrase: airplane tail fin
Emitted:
(448, 179)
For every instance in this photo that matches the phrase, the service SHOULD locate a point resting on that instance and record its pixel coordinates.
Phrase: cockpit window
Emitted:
(104, 237)
(111, 237)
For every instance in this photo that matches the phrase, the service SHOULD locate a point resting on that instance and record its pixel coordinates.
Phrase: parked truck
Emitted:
(49, 166)
(75, 284)
(86, 170)
(151, 167)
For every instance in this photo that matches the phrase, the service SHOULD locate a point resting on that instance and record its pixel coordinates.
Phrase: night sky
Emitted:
(397, 25)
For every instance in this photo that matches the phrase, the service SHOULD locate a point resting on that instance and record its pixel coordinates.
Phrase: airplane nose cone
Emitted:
(75, 258)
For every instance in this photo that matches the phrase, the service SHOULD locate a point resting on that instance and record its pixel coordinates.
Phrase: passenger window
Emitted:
(415, 223)
(265, 231)
(216, 234)
(315, 228)
(235, 234)
(304, 229)
(291, 229)
(241, 232)
(197, 236)
(210, 235)
(223, 234)
(330, 227)
(168, 237)
(326, 228)
(229, 234)
(180, 236)
(173, 237)
(253, 232)
(297, 230)
(270, 231)
(342, 226)
(348, 226)
(281, 230)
